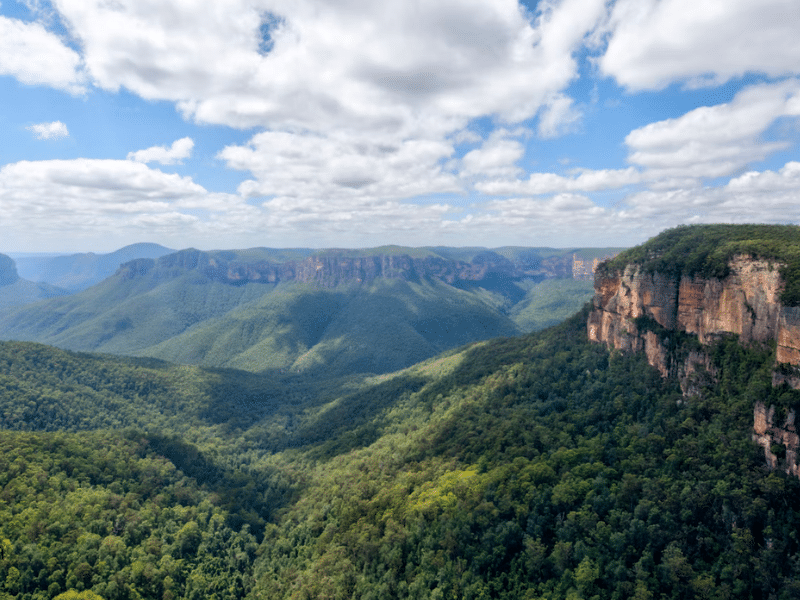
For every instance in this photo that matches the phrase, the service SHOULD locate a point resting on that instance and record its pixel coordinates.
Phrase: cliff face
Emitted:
(745, 303)
(332, 269)
(778, 437)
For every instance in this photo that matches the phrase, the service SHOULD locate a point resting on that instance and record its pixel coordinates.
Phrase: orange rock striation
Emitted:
(638, 311)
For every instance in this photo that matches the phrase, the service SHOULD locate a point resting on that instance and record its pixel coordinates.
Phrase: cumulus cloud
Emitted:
(356, 63)
(562, 219)
(175, 154)
(49, 131)
(359, 108)
(373, 94)
(46, 198)
(35, 56)
(314, 166)
(786, 179)
(715, 141)
(497, 157)
(559, 116)
(707, 142)
(655, 42)
(586, 180)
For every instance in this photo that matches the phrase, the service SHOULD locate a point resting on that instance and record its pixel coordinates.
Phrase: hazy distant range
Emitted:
(319, 312)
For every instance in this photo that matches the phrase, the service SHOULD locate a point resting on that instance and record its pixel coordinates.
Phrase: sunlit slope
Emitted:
(126, 316)
(190, 318)
(301, 328)
(535, 466)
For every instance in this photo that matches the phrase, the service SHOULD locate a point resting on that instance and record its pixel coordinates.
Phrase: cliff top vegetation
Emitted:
(706, 251)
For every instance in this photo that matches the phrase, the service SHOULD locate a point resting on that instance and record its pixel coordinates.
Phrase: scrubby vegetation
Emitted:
(706, 250)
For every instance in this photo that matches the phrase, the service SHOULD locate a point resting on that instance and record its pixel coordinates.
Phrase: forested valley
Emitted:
(540, 466)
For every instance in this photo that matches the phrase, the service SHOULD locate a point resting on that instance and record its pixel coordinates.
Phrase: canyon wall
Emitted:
(745, 303)
(640, 312)
(332, 269)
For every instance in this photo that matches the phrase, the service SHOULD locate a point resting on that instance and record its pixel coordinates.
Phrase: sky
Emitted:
(355, 123)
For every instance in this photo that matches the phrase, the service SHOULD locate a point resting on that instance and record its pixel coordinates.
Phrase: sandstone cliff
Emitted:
(777, 438)
(745, 303)
(334, 268)
(639, 311)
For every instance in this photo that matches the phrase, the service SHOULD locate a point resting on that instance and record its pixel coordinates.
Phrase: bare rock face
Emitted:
(788, 350)
(745, 303)
(325, 270)
(780, 437)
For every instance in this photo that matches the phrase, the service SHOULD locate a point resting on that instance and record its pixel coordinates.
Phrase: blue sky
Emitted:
(351, 123)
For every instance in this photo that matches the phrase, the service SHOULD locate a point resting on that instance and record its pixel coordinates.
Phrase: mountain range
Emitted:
(75, 272)
(16, 291)
(330, 312)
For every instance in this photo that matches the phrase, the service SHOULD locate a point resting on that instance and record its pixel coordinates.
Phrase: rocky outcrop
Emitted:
(644, 312)
(779, 440)
(745, 303)
(334, 268)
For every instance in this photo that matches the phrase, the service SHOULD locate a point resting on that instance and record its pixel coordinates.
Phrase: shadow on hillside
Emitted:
(250, 498)
(354, 420)
(327, 417)
(239, 400)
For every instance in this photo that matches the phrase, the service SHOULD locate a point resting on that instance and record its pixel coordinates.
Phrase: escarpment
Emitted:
(334, 268)
(631, 306)
(674, 314)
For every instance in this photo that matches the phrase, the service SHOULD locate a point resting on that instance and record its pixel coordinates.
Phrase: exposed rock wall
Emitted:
(332, 269)
(782, 437)
(745, 303)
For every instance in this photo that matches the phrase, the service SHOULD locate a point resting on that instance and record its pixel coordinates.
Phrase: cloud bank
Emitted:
(414, 120)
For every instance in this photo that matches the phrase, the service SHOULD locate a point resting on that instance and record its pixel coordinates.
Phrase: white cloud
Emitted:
(656, 42)
(179, 150)
(35, 56)
(107, 199)
(497, 157)
(314, 166)
(49, 131)
(558, 117)
(715, 141)
(787, 178)
(586, 180)
(355, 63)
(563, 219)
(714, 205)
(358, 99)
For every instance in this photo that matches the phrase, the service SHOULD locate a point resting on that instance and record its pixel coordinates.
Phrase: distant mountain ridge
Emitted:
(16, 291)
(333, 267)
(76, 272)
(327, 312)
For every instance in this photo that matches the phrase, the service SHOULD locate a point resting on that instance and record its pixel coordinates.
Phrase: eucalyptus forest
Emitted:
(538, 466)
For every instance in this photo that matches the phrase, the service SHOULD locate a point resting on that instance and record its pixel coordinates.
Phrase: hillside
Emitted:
(16, 291)
(540, 466)
(333, 312)
(75, 272)
(537, 466)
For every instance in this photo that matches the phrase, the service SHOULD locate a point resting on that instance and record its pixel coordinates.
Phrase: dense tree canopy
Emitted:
(534, 467)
